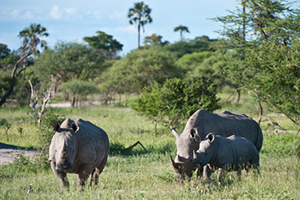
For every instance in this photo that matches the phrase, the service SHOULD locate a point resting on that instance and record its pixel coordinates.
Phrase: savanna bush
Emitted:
(46, 133)
(176, 100)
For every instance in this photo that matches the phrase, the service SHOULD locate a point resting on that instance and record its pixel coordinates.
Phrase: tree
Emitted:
(78, 90)
(141, 68)
(66, 62)
(181, 29)
(177, 99)
(105, 44)
(140, 14)
(154, 40)
(198, 44)
(265, 37)
(29, 47)
(31, 40)
(4, 51)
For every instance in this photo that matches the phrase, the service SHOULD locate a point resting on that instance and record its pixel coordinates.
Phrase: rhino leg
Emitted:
(207, 172)
(61, 177)
(97, 172)
(83, 175)
(199, 172)
(220, 173)
(204, 172)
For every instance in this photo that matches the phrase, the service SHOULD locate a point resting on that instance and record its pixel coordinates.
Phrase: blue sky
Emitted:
(71, 20)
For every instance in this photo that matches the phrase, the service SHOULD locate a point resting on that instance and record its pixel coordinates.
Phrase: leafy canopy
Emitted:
(265, 37)
(104, 43)
(141, 68)
(69, 61)
(176, 100)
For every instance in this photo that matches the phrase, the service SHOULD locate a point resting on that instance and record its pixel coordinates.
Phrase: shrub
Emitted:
(176, 100)
(46, 134)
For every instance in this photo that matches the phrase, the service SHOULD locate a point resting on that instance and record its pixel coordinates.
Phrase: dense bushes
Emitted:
(176, 100)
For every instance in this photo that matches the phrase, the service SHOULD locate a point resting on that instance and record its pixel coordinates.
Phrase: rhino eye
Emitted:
(205, 154)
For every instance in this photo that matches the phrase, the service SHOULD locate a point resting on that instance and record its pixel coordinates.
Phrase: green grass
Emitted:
(147, 174)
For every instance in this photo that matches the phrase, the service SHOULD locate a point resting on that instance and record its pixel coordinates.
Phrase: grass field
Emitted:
(148, 174)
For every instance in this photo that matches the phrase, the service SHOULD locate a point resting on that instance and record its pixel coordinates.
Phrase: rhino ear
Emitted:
(194, 134)
(56, 126)
(75, 127)
(211, 137)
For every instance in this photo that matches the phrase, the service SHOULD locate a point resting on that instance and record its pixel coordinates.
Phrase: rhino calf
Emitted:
(227, 153)
(78, 147)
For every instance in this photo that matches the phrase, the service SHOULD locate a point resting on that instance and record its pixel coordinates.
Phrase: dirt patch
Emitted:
(9, 152)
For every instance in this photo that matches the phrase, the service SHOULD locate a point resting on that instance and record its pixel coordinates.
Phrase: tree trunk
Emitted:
(139, 30)
(238, 95)
(73, 102)
(260, 112)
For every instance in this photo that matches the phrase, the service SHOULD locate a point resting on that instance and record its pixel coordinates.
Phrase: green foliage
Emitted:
(176, 100)
(139, 69)
(198, 44)
(68, 61)
(78, 87)
(154, 40)
(181, 29)
(46, 133)
(4, 51)
(104, 43)
(5, 125)
(265, 38)
(31, 40)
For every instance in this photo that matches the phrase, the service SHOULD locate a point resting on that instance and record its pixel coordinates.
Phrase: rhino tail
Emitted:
(259, 138)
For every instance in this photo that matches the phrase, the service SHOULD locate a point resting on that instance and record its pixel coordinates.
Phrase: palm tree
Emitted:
(31, 40)
(140, 14)
(181, 29)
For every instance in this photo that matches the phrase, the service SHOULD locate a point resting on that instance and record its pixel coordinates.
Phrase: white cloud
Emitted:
(117, 15)
(95, 14)
(14, 13)
(55, 12)
(127, 29)
(71, 11)
(28, 14)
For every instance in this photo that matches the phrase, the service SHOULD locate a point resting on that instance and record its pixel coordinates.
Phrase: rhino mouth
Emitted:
(63, 166)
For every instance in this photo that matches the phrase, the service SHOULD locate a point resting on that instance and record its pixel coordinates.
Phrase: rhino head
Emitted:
(63, 148)
(206, 151)
(187, 143)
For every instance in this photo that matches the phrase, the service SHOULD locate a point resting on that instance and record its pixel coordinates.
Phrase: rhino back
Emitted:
(93, 143)
(225, 124)
(235, 150)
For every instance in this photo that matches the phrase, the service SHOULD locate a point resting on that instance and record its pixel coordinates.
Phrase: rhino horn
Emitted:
(175, 165)
(194, 154)
(174, 132)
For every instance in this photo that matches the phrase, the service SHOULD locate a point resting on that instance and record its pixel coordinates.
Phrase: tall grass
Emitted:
(147, 174)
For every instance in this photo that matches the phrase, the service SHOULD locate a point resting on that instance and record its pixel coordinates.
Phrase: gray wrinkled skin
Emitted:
(199, 125)
(78, 147)
(227, 153)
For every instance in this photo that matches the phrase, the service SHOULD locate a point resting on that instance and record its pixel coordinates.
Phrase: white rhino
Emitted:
(78, 147)
(227, 153)
(202, 123)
